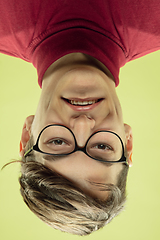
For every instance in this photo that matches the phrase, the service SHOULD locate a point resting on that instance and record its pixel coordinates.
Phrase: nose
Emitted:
(82, 128)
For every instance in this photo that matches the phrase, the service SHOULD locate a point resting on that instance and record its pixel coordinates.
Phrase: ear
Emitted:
(26, 133)
(129, 143)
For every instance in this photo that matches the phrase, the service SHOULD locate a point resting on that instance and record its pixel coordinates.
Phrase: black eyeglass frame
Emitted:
(123, 159)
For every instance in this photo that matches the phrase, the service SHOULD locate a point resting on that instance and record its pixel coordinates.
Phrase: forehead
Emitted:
(89, 175)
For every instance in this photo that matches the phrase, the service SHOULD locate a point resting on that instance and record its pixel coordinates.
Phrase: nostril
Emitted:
(89, 118)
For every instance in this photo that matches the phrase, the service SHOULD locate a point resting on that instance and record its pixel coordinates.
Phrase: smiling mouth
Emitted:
(78, 104)
(82, 102)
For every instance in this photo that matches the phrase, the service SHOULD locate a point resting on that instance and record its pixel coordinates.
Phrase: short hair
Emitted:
(61, 204)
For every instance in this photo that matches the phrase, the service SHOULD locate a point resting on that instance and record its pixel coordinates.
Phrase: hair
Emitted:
(62, 205)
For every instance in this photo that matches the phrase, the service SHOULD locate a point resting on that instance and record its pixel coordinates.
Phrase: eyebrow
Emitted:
(54, 158)
(103, 162)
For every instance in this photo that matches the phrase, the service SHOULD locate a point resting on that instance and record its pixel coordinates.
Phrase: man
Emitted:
(78, 133)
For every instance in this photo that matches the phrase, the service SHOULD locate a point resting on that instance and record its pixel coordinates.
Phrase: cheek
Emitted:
(53, 117)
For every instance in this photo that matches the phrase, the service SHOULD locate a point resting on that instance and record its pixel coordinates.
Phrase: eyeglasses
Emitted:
(59, 140)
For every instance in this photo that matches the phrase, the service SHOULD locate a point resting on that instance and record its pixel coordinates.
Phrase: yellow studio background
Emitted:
(139, 93)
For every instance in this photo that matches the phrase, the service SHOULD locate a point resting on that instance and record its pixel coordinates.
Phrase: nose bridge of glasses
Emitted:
(82, 128)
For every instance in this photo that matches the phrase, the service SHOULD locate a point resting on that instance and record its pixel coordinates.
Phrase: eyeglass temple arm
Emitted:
(28, 152)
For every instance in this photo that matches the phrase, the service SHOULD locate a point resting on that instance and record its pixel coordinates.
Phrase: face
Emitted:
(64, 91)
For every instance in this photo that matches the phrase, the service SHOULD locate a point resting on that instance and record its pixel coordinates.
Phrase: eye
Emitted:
(57, 142)
(103, 146)
(57, 146)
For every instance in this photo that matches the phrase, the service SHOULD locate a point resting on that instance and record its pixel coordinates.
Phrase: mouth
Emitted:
(78, 104)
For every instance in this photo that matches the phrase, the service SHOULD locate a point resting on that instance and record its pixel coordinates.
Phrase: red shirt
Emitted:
(113, 31)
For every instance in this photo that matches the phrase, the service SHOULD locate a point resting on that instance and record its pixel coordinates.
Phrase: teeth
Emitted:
(83, 103)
